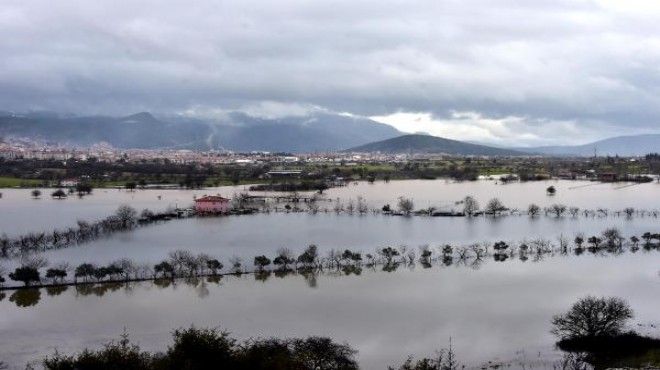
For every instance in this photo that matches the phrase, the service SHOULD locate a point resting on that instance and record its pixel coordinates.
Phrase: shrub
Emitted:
(592, 317)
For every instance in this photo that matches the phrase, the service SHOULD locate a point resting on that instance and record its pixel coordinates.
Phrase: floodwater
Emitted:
(498, 312)
(21, 213)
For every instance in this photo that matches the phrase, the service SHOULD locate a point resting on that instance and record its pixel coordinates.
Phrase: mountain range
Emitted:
(624, 146)
(314, 132)
(236, 131)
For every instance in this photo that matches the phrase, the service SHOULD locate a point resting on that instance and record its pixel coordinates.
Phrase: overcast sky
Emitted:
(524, 72)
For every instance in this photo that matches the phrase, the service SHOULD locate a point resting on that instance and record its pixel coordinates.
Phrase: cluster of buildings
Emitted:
(105, 153)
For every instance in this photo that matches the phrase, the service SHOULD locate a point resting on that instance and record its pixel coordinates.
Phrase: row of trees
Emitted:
(124, 218)
(182, 263)
(81, 189)
(469, 206)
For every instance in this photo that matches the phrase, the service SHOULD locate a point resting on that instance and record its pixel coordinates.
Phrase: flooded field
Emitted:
(499, 311)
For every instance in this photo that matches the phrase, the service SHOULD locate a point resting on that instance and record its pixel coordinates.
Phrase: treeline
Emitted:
(467, 207)
(195, 348)
(199, 349)
(155, 171)
(124, 219)
(184, 264)
(127, 218)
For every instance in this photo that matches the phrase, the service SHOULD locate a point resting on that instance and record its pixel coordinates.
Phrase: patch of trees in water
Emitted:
(184, 264)
(126, 218)
(203, 348)
(198, 348)
(593, 330)
(405, 206)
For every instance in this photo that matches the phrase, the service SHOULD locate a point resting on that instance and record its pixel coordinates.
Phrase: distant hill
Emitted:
(431, 144)
(238, 131)
(624, 146)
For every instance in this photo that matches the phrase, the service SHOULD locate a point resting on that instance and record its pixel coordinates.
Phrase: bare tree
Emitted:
(495, 206)
(236, 264)
(557, 209)
(3, 271)
(405, 205)
(563, 243)
(183, 261)
(362, 206)
(339, 206)
(126, 267)
(34, 261)
(470, 205)
(284, 258)
(126, 215)
(533, 209)
(629, 211)
(350, 207)
(613, 237)
(592, 317)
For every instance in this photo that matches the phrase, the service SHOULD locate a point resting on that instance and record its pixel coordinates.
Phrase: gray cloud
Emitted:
(591, 63)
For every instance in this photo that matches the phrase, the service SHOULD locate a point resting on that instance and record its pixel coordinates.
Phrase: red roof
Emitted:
(212, 198)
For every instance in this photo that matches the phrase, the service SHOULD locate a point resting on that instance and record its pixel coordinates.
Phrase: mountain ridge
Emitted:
(415, 143)
(626, 146)
(317, 132)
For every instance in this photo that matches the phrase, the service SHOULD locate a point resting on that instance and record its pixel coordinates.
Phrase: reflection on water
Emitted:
(348, 263)
(499, 312)
(495, 307)
(98, 290)
(53, 291)
(26, 297)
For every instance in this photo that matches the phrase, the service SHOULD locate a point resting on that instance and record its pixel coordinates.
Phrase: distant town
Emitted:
(104, 152)
(28, 164)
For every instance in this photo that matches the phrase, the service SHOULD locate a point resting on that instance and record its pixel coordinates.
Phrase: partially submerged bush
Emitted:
(592, 317)
(196, 348)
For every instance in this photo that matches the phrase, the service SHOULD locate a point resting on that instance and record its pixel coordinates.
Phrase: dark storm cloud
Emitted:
(590, 63)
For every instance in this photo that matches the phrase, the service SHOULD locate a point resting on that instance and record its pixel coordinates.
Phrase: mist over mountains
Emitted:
(313, 132)
(237, 131)
(624, 146)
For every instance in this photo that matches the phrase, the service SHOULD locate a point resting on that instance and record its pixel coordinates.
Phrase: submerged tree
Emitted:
(533, 209)
(558, 209)
(470, 205)
(59, 194)
(261, 262)
(127, 215)
(284, 258)
(495, 206)
(592, 317)
(56, 275)
(309, 257)
(26, 275)
(405, 205)
(214, 265)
